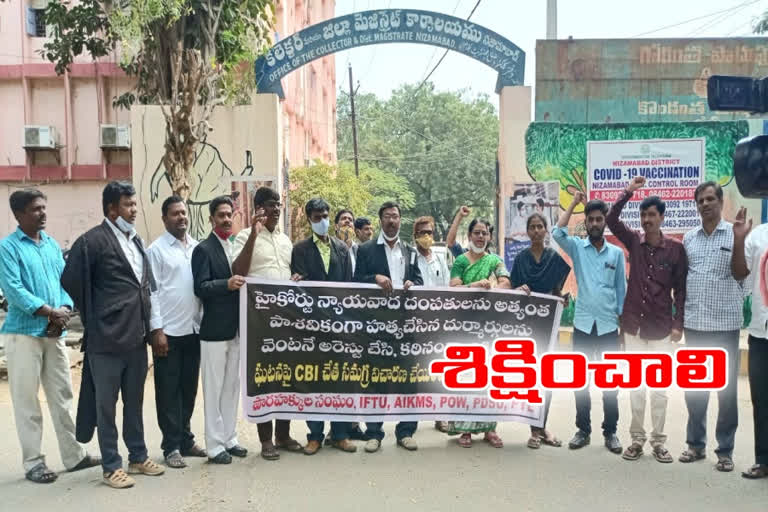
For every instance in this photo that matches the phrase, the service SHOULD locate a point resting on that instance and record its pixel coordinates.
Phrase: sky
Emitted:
(382, 68)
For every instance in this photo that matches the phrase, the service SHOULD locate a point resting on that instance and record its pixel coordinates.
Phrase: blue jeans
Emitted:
(403, 429)
(339, 430)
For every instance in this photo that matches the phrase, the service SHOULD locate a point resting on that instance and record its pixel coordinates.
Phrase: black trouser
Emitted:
(593, 347)
(727, 402)
(758, 387)
(124, 374)
(176, 382)
(282, 431)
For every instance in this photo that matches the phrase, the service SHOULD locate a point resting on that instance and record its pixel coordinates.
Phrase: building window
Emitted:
(40, 23)
(35, 22)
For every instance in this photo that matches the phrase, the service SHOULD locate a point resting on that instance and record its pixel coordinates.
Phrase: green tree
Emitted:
(188, 56)
(444, 144)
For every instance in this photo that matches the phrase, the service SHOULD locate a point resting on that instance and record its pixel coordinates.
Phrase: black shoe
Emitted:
(222, 458)
(237, 451)
(580, 440)
(356, 434)
(612, 443)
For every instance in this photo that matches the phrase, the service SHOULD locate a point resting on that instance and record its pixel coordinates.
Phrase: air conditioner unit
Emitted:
(40, 137)
(115, 136)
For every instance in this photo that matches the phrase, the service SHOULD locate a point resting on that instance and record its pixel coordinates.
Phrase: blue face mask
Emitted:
(124, 225)
(321, 228)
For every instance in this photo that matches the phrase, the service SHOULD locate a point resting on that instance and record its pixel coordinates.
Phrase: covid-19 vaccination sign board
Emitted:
(673, 168)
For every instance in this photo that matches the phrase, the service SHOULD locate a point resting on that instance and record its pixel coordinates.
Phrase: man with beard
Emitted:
(175, 339)
(264, 251)
(658, 268)
(390, 263)
(217, 288)
(713, 318)
(109, 278)
(323, 258)
(599, 269)
(33, 337)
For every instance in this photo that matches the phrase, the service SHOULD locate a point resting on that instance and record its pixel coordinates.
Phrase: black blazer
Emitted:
(307, 262)
(114, 306)
(372, 260)
(211, 271)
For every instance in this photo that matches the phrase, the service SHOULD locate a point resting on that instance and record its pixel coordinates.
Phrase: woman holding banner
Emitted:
(540, 269)
(477, 268)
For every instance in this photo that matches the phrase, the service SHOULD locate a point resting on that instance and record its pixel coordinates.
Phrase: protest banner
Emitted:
(673, 168)
(348, 352)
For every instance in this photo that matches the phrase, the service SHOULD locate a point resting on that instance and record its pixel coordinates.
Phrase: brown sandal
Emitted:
(269, 452)
(724, 464)
(534, 442)
(756, 471)
(118, 479)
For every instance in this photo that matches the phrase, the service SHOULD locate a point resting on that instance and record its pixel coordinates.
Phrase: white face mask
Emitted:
(321, 228)
(392, 239)
(476, 249)
(124, 225)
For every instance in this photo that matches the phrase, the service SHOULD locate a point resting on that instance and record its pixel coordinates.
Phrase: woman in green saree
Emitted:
(478, 268)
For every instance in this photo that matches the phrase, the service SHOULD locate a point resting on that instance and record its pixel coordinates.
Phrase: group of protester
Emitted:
(181, 297)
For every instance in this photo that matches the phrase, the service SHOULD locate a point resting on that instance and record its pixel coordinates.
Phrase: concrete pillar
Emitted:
(514, 118)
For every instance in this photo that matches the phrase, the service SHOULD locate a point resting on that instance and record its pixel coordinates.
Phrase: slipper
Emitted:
(550, 440)
(269, 452)
(534, 442)
(691, 455)
(661, 454)
(290, 445)
(756, 471)
(493, 439)
(465, 441)
(40, 474)
(88, 461)
(724, 464)
(175, 460)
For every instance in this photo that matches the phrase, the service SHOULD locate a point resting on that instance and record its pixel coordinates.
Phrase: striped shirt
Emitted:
(30, 276)
(714, 299)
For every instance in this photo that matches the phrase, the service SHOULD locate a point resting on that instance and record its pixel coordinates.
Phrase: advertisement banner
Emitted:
(348, 352)
(673, 168)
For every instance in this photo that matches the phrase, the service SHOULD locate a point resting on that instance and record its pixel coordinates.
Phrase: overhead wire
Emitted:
(685, 22)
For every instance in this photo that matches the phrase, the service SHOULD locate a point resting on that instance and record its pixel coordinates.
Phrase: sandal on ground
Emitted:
(118, 479)
(89, 461)
(662, 455)
(550, 440)
(691, 455)
(724, 464)
(40, 474)
(534, 442)
(633, 452)
(493, 439)
(465, 441)
(175, 460)
(269, 452)
(290, 445)
(756, 471)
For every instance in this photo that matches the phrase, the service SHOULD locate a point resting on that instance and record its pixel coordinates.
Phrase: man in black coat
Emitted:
(323, 258)
(109, 278)
(218, 289)
(390, 263)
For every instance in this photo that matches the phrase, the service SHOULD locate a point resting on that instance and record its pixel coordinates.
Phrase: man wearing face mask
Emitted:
(658, 268)
(264, 251)
(599, 269)
(323, 258)
(390, 263)
(109, 277)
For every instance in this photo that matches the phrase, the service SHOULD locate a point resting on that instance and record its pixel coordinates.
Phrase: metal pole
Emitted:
(354, 122)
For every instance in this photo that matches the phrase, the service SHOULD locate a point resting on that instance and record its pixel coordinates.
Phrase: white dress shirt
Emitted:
(394, 260)
(228, 248)
(755, 249)
(179, 309)
(271, 257)
(135, 259)
(435, 271)
(130, 250)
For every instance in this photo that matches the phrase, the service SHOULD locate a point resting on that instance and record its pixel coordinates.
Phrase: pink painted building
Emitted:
(74, 112)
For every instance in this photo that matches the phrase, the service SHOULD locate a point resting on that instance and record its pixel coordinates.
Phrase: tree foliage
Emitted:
(188, 56)
(444, 144)
(339, 186)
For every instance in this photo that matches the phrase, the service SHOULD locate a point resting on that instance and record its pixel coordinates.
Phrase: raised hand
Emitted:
(637, 182)
(741, 227)
(579, 197)
(258, 220)
(464, 211)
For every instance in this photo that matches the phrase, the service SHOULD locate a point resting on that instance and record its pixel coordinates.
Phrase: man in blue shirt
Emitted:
(33, 335)
(599, 269)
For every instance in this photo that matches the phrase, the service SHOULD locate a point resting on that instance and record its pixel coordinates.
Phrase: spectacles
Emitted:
(425, 232)
(480, 233)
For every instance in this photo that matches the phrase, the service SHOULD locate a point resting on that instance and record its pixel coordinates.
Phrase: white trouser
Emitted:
(32, 361)
(637, 398)
(220, 370)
